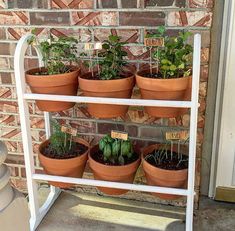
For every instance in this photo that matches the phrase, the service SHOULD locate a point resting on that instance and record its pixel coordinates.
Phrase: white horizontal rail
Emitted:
(108, 184)
(116, 101)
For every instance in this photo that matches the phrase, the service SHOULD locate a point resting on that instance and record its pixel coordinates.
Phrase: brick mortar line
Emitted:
(149, 9)
(8, 100)
(140, 28)
(16, 153)
(98, 135)
(137, 44)
(156, 126)
(18, 127)
(123, 27)
(97, 121)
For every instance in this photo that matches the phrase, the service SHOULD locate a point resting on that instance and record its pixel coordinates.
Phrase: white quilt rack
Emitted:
(37, 213)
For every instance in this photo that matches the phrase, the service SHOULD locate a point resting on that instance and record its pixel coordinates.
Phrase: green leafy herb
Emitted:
(58, 53)
(174, 60)
(114, 150)
(113, 58)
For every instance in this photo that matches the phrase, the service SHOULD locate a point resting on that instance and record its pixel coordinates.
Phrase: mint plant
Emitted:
(174, 60)
(115, 150)
(112, 60)
(58, 54)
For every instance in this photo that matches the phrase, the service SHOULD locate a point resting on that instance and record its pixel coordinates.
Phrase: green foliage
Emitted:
(114, 150)
(60, 143)
(162, 153)
(58, 53)
(175, 58)
(113, 58)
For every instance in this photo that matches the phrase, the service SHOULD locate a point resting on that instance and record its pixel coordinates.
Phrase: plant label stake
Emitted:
(153, 42)
(97, 47)
(119, 135)
(71, 131)
(89, 47)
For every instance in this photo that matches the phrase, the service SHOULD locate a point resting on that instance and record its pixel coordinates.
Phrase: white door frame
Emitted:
(222, 167)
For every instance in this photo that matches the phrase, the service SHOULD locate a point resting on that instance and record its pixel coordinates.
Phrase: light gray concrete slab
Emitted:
(86, 212)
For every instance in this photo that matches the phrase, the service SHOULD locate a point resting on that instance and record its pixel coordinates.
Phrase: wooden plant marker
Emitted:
(98, 46)
(119, 135)
(88, 46)
(69, 130)
(181, 135)
(154, 42)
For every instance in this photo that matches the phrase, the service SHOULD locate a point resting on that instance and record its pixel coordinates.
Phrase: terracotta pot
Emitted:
(164, 89)
(116, 88)
(162, 177)
(73, 167)
(60, 84)
(125, 173)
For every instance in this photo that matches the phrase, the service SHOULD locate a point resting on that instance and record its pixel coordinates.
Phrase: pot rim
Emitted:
(130, 75)
(28, 72)
(145, 162)
(78, 140)
(139, 75)
(140, 72)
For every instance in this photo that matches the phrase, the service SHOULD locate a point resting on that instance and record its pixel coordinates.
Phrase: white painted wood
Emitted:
(117, 101)
(25, 126)
(226, 150)
(53, 195)
(193, 130)
(109, 184)
(36, 214)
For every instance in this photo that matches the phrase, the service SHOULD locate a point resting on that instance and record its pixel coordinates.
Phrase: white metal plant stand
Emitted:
(37, 213)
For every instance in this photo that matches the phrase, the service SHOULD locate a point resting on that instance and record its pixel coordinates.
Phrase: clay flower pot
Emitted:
(73, 167)
(164, 89)
(122, 173)
(60, 84)
(115, 88)
(162, 177)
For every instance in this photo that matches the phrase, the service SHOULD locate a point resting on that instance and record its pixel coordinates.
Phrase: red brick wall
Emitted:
(90, 20)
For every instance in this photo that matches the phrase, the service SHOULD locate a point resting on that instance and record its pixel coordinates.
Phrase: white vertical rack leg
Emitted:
(193, 131)
(25, 129)
(38, 214)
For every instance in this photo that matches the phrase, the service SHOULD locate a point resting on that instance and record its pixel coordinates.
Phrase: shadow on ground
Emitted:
(86, 212)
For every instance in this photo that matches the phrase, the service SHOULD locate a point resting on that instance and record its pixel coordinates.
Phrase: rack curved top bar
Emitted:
(37, 213)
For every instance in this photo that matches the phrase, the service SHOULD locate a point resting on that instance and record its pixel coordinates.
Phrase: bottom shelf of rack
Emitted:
(108, 184)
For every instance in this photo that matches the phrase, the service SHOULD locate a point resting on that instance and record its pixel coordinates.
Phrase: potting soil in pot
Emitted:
(168, 163)
(77, 149)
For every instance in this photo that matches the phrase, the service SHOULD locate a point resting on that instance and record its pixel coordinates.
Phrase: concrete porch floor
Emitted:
(86, 212)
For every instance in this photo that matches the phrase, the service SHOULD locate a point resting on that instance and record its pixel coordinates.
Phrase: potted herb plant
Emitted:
(58, 76)
(63, 155)
(170, 77)
(109, 81)
(166, 165)
(114, 160)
